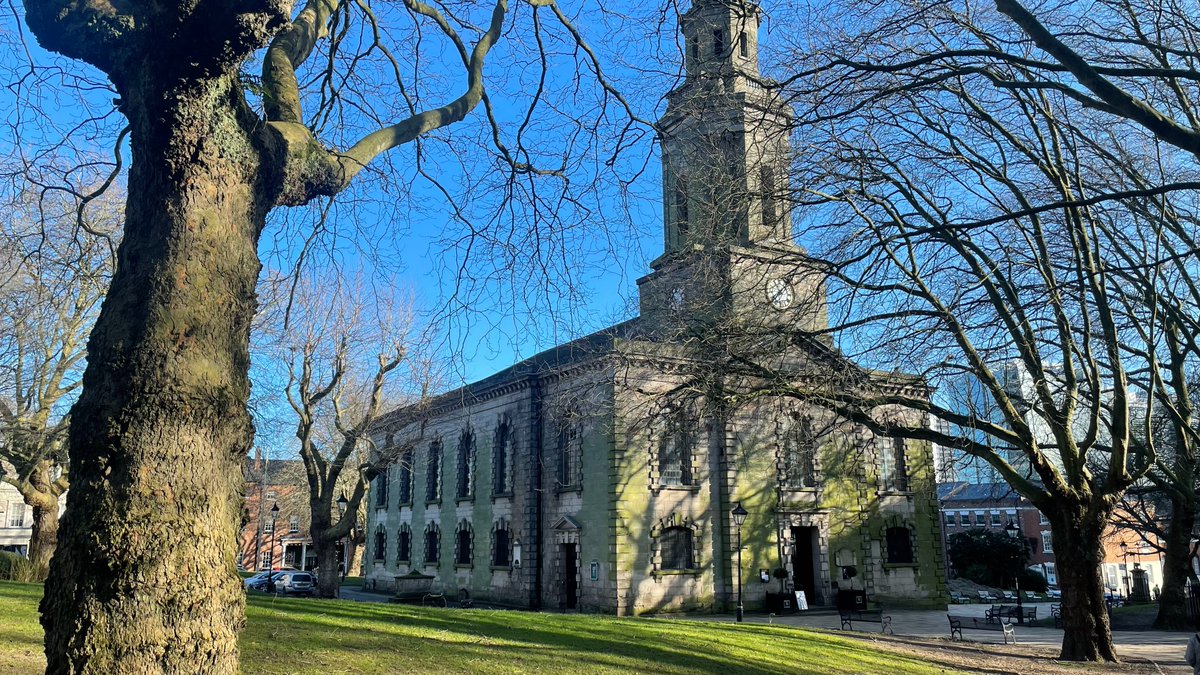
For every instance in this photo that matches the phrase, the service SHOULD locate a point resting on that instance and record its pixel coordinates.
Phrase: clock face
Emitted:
(677, 299)
(780, 294)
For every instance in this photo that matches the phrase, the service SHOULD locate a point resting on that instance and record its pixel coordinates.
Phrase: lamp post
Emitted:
(271, 568)
(1014, 532)
(739, 517)
(342, 503)
(1125, 561)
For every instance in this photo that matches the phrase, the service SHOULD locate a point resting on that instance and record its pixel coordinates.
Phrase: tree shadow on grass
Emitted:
(602, 642)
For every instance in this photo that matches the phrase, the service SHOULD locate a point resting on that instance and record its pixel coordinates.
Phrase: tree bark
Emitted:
(1078, 552)
(144, 580)
(329, 578)
(44, 538)
(1172, 611)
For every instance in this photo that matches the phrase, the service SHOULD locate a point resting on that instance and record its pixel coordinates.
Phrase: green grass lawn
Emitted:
(310, 636)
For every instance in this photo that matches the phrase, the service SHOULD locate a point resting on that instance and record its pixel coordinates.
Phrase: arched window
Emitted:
(404, 544)
(893, 467)
(675, 451)
(502, 448)
(463, 550)
(676, 549)
(466, 465)
(501, 545)
(899, 545)
(380, 544)
(406, 475)
(568, 452)
(433, 472)
(800, 456)
(381, 490)
(433, 542)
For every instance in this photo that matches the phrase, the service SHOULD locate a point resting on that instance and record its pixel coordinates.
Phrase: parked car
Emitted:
(259, 581)
(296, 583)
(1054, 593)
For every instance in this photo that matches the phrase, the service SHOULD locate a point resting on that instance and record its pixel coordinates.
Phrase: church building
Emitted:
(601, 475)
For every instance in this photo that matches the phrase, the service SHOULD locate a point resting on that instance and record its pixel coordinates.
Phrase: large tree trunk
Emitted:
(144, 579)
(44, 538)
(329, 578)
(1078, 553)
(1172, 611)
(39, 492)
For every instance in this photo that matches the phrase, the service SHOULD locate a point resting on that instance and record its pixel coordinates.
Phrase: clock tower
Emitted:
(729, 249)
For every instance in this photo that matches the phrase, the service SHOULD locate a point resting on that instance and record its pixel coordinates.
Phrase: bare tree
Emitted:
(161, 427)
(342, 353)
(975, 173)
(52, 279)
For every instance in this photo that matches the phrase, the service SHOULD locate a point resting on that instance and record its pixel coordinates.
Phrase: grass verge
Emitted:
(310, 636)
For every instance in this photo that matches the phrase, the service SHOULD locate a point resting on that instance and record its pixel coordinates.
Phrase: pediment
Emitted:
(567, 524)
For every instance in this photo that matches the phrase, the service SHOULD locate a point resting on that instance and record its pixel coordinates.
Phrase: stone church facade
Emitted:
(600, 475)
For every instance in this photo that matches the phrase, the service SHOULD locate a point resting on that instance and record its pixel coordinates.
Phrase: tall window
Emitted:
(433, 472)
(893, 467)
(16, 514)
(676, 549)
(995, 519)
(433, 540)
(1047, 542)
(381, 490)
(951, 519)
(770, 203)
(502, 459)
(466, 465)
(681, 207)
(502, 550)
(406, 475)
(293, 524)
(675, 451)
(744, 45)
(380, 543)
(268, 527)
(404, 544)
(899, 545)
(568, 453)
(266, 561)
(462, 545)
(800, 456)
(718, 42)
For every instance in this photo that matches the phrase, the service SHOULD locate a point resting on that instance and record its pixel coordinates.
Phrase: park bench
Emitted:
(959, 599)
(960, 623)
(1056, 614)
(984, 596)
(1012, 612)
(849, 616)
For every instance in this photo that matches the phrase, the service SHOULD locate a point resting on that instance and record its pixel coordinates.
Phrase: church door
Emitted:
(806, 562)
(570, 576)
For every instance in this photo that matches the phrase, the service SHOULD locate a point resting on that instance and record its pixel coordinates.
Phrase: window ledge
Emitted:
(802, 490)
(404, 504)
(431, 502)
(695, 571)
(680, 488)
(430, 564)
(562, 489)
(501, 568)
(404, 562)
(896, 493)
(464, 500)
(463, 566)
(897, 565)
(502, 495)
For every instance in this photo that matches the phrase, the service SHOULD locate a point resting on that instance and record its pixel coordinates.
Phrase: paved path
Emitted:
(1163, 648)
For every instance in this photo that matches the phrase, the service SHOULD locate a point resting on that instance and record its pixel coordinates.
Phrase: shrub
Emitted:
(14, 567)
(1032, 580)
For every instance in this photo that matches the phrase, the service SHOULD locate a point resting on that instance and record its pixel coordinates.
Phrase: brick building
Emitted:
(992, 506)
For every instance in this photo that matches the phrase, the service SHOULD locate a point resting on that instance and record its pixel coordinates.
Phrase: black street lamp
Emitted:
(342, 503)
(739, 517)
(1014, 532)
(1125, 574)
(271, 569)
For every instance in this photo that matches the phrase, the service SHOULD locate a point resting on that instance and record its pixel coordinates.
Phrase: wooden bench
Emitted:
(868, 616)
(960, 623)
